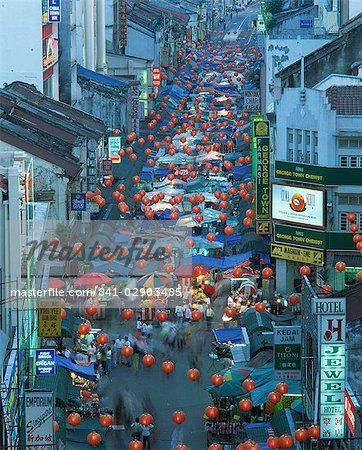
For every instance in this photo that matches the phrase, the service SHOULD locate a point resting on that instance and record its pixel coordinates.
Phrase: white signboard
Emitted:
(329, 306)
(332, 331)
(252, 100)
(39, 416)
(302, 206)
(114, 145)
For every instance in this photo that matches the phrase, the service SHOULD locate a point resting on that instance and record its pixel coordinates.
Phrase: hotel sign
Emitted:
(332, 331)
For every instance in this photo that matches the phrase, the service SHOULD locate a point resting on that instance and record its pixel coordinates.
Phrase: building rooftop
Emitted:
(100, 78)
(44, 127)
(345, 100)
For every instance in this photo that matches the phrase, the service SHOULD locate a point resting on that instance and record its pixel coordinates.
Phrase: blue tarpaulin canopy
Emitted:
(242, 172)
(259, 396)
(228, 335)
(227, 262)
(162, 172)
(86, 372)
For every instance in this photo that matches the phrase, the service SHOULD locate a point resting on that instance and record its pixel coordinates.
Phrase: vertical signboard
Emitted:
(122, 24)
(39, 416)
(156, 76)
(134, 100)
(78, 202)
(254, 119)
(287, 353)
(107, 167)
(262, 143)
(114, 146)
(54, 11)
(332, 331)
(49, 319)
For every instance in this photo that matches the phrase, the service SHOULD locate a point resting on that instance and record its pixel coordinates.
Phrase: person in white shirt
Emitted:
(188, 313)
(139, 326)
(92, 351)
(108, 360)
(119, 345)
(144, 328)
(231, 303)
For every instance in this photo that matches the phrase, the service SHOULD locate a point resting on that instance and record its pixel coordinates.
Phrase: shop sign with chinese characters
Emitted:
(49, 319)
(156, 76)
(39, 416)
(332, 331)
(114, 146)
(287, 353)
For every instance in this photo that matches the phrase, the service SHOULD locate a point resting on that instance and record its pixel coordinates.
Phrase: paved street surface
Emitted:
(150, 390)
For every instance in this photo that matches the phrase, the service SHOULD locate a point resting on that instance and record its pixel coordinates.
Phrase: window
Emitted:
(350, 161)
(344, 224)
(290, 143)
(353, 143)
(314, 138)
(350, 199)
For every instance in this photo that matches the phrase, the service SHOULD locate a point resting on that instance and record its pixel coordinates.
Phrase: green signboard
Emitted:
(254, 119)
(262, 200)
(287, 352)
(321, 175)
(324, 240)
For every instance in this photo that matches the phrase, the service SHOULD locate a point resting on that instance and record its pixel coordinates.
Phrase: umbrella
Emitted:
(235, 374)
(191, 271)
(153, 280)
(56, 283)
(227, 389)
(92, 279)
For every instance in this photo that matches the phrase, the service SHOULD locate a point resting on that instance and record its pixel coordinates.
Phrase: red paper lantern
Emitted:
(217, 380)
(179, 417)
(301, 435)
(357, 238)
(85, 393)
(162, 316)
(282, 388)
(294, 299)
(351, 217)
(245, 404)
(286, 441)
(141, 263)
(247, 221)
(84, 328)
(260, 307)
(267, 272)
(340, 266)
(127, 351)
(229, 230)
(230, 312)
(326, 289)
(89, 195)
(313, 431)
(102, 338)
(211, 412)
(78, 247)
(249, 384)
(106, 420)
(148, 360)
(55, 426)
(63, 313)
(146, 419)
(181, 447)
(353, 227)
(215, 447)
(273, 442)
(193, 374)
(274, 397)
(74, 419)
(196, 315)
(211, 237)
(135, 445)
(168, 367)
(304, 270)
(94, 438)
(127, 314)
(359, 276)
(91, 310)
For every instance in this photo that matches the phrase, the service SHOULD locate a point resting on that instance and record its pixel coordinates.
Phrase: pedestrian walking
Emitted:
(108, 359)
(136, 429)
(114, 354)
(92, 351)
(128, 359)
(103, 358)
(179, 315)
(146, 435)
(119, 347)
(139, 326)
(209, 316)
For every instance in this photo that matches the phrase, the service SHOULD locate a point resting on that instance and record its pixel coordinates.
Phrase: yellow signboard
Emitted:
(297, 254)
(49, 319)
(263, 227)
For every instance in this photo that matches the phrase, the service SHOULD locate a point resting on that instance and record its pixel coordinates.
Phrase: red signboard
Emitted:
(107, 167)
(156, 76)
(349, 411)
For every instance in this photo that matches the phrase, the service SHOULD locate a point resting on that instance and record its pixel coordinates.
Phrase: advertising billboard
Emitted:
(114, 145)
(39, 416)
(298, 205)
(287, 352)
(45, 361)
